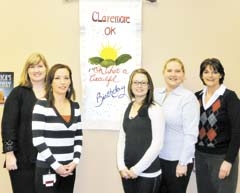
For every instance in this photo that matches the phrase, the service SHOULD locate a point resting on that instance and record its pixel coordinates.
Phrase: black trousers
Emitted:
(170, 183)
(141, 185)
(62, 185)
(207, 169)
(22, 180)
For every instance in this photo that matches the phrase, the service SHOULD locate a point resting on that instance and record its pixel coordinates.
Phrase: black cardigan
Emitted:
(17, 126)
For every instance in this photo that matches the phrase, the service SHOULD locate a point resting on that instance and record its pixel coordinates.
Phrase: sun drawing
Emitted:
(109, 52)
(108, 56)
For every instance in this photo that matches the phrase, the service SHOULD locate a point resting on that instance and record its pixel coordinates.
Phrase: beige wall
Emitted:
(190, 30)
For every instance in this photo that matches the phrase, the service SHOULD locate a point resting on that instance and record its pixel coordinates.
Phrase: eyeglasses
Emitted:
(141, 83)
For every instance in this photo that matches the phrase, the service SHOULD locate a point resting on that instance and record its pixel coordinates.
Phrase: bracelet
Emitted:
(8, 142)
(8, 145)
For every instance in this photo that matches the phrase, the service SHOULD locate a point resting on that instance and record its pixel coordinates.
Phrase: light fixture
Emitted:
(152, 1)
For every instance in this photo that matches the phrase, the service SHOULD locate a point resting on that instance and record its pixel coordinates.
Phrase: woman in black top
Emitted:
(219, 134)
(20, 155)
(141, 137)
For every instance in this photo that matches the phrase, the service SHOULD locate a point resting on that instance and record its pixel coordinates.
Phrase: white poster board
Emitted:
(110, 49)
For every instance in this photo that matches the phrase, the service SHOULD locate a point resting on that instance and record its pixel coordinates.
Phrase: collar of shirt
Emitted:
(161, 93)
(177, 91)
(213, 98)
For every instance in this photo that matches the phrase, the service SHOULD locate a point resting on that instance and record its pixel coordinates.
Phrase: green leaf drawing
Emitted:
(122, 59)
(108, 62)
(95, 60)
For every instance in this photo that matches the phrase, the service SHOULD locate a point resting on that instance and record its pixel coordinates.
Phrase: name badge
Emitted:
(49, 179)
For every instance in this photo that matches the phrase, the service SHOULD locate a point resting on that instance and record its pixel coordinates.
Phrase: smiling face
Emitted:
(61, 81)
(37, 72)
(211, 77)
(140, 85)
(173, 74)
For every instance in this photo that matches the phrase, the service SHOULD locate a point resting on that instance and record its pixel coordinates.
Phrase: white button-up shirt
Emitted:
(181, 111)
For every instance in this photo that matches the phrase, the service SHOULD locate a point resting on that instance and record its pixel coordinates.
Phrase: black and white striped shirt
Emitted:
(58, 142)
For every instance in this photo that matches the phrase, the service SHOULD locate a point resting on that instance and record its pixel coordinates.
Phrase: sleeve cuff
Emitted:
(76, 160)
(55, 165)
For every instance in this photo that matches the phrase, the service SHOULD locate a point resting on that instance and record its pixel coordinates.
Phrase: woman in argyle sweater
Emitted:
(219, 133)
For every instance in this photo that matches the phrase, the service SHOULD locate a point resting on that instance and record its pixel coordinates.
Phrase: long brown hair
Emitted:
(149, 98)
(70, 94)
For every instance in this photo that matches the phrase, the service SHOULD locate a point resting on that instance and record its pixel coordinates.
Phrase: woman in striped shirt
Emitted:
(57, 133)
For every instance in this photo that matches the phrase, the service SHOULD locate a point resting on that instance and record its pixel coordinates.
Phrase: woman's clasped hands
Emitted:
(66, 170)
(128, 174)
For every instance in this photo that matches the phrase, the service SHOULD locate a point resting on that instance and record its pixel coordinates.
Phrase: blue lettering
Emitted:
(116, 92)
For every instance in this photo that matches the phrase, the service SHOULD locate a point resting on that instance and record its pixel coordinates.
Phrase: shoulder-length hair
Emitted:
(216, 65)
(149, 98)
(33, 59)
(70, 94)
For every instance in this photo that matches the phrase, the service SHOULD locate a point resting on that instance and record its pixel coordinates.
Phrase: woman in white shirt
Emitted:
(181, 112)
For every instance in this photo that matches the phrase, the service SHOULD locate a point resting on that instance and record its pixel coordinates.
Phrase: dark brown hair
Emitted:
(70, 94)
(149, 98)
(216, 65)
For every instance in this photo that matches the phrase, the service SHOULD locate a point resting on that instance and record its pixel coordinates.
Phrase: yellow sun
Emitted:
(109, 52)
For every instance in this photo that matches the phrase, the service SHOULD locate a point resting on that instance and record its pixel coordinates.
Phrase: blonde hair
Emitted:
(174, 60)
(33, 59)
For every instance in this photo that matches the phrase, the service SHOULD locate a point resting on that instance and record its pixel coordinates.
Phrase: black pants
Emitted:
(207, 169)
(62, 185)
(141, 185)
(22, 180)
(170, 183)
